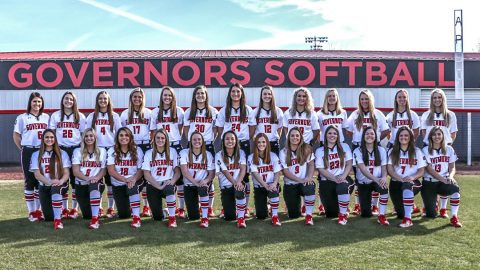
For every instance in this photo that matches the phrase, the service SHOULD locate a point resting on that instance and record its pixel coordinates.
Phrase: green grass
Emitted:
(362, 244)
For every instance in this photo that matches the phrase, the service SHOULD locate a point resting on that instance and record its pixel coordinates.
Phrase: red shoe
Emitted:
(172, 222)
(342, 219)
(33, 216)
(443, 213)
(382, 220)
(304, 209)
(424, 212)
(241, 223)
(73, 213)
(181, 213)
(276, 221)
(100, 212)
(94, 224)
(416, 210)
(222, 214)
(321, 210)
(204, 223)
(356, 210)
(65, 213)
(375, 211)
(455, 222)
(308, 220)
(57, 224)
(110, 213)
(146, 211)
(40, 215)
(211, 213)
(406, 222)
(136, 222)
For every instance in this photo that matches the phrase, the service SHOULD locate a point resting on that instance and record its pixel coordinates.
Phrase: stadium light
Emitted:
(317, 42)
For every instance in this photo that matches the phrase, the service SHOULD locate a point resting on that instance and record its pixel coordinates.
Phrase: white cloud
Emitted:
(257, 6)
(72, 45)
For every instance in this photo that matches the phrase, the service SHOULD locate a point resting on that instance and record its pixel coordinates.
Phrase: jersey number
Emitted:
(161, 171)
(268, 128)
(167, 128)
(200, 128)
(123, 171)
(136, 129)
(103, 130)
(87, 172)
(236, 127)
(403, 169)
(370, 170)
(438, 167)
(297, 169)
(334, 164)
(302, 129)
(67, 133)
(39, 134)
(264, 177)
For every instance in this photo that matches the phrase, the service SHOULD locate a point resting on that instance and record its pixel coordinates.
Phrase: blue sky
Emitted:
(411, 25)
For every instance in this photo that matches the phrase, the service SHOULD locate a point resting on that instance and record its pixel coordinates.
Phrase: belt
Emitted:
(142, 142)
(208, 143)
(73, 146)
(31, 146)
(430, 179)
(175, 143)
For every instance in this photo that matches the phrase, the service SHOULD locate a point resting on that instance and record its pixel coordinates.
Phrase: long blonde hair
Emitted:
(83, 146)
(167, 144)
(131, 107)
(338, 105)
(371, 110)
(444, 109)
(407, 109)
(309, 108)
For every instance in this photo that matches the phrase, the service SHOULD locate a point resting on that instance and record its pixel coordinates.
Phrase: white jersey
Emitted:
(367, 122)
(295, 169)
(160, 169)
(31, 129)
(140, 130)
(232, 168)
(196, 168)
(172, 128)
(265, 170)
(333, 165)
(332, 119)
(439, 161)
(306, 124)
(374, 170)
(126, 167)
(68, 132)
(263, 124)
(89, 167)
(234, 124)
(105, 136)
(402, 120)
(45, 163)
(439, 121)
(201, 123)
(403, 168)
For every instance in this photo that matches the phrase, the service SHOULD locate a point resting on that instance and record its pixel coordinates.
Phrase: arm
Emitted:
(348, 167)
(392, 173)
(17, 139)
(366, 172)
(40, 177)
(325, 173)
(436, 175)
(316, 135)
(99, 176)
(454, 136)
(292, 176)
(134, 178)
(273, 186)
(65, 177)
(259, 179)
(251, 131)
(384, 134)
(148, 176)
(417, 175)
(279, 131)
(77, 173)
(115, 174)
(188, 175)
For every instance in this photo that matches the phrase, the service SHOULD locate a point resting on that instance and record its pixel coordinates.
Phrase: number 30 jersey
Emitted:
(201, 123)
(334, 163)
(126, 167)
(91, 166)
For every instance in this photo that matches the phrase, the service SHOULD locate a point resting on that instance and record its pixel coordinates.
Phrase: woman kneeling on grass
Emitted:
(161, 170)
(51, 167)
(88, 163)
(124, 165)
(231, 166)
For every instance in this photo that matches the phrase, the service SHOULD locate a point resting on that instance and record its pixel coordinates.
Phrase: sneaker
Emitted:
(241, 223)
(308, 220)
(406, 222)
(342, 219)
(146, 211)
(65, 213)
(94, 224)
(443, 213)
(180, 213)
(356, 210)
(415, 210)
(455, 222)
(57, 224)
(375, 211)
(100, 212)
(33, 216)
(110, 213)
(204, 223)
(276, 221)
(424, 212)
(73, 213)
(222, 214)
(382, 220)
(136, 222)
(321, 210)
(40, 214)
(172, 222)
(211, 213)
(304, 209)
(247, 213)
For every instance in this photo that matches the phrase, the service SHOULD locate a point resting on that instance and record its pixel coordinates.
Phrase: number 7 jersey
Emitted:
(403, 168)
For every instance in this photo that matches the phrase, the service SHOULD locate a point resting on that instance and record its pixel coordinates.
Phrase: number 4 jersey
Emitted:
(126, 166)
(105, 136)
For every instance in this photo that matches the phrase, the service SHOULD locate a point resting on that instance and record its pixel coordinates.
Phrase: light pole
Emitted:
(317, 42)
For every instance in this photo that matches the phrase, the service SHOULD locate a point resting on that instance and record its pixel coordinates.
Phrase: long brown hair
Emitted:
(76, 114)
(131, 107)
(236, 149)
(56, 164)
(444, 109)
(203, 150)
(443, 147)
(273, 107)
(243, 102)
(303, 151)
(83, 147)
(407, 109)
(109, 110)
(132, 148)
(193, 106)
(371, 110)
(173, 106)
(256, 154)
(396, 148)
(167, 144)
(340, 151)
(29, 106)
(376, 151)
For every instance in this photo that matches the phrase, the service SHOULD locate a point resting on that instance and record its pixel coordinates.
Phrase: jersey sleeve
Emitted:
(348, 152)
(452, 155)
(180, 115)
(252, 167)
(88, 121)
(283, 157)
(103, 158)
(252, 119)
(286, 116)
(423, 120)
(211, 162)
(220, 122)
(186, 121)
(351, 121)
(52, 124)
(415, 120)
(382, 121)
(357, 156)
(184, 157)
(18, 126)
(66, 160)
(153, 120)
(422, 160)
(383, 155)
(219, 165)
(76, 157)
(389, 159)
(319, 164)
(34, 161)
(453, 122)
(117, 122)
(314, 121)
(110, 157)
(146, 160)
(276, 163)
(425, 154)
(140, 158)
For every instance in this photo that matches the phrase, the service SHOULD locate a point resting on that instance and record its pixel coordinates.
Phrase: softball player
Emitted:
(365, 116)
(68, 124)
(106, 123)
(201, 117)
(406, 164)
(438, 178)
(51, 167)
(371, 174)
(298, 163)
(198, 170)
(302, 115)
(27, 135)
(89, 167)
(235, 117)
(267, 118)
(334, 163)
(137, 119)
(402, 116)
(124, 164)
(170, 117)
(161, 170)
(265, 168)
(231, 166)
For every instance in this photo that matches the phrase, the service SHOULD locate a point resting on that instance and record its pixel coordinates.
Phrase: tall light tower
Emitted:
(317, 42)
